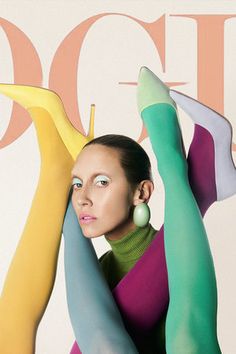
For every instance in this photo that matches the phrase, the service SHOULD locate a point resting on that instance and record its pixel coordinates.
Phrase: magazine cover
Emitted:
(163, 74)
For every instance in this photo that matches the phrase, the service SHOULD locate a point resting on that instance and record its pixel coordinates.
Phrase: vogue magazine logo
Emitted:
(63, 79)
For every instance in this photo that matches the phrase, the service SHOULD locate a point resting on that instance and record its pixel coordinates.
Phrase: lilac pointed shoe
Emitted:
(221, 132)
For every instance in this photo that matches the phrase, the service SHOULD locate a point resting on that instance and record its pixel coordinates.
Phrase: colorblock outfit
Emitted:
(117, 262)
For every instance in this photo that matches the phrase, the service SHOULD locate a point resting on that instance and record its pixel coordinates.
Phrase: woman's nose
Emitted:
(82, 198)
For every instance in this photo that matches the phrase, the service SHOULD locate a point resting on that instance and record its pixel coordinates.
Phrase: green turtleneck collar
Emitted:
(132, 246)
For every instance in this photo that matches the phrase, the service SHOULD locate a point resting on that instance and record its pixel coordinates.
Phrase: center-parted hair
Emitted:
(133, 158)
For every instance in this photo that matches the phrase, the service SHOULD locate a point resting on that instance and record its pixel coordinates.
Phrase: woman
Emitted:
(191, 318)
(106, 191)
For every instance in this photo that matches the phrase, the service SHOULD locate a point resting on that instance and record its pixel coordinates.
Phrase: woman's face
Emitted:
(102, 197)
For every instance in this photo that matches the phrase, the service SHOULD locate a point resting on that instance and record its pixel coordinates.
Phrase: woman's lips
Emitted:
(86, 218)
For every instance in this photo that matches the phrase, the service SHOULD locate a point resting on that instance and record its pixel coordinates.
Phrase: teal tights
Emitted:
(191, 318)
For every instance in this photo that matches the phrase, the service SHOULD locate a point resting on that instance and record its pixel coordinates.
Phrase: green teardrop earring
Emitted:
(141, 215)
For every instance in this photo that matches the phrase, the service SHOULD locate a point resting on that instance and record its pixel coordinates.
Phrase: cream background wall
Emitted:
(113, 50)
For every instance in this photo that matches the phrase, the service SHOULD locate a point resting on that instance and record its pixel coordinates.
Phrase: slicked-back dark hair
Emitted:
(133, 158)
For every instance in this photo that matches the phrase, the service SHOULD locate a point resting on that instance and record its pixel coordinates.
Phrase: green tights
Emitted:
(191, 318)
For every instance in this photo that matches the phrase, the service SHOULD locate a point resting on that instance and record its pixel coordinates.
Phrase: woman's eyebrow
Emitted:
(94, 175)
(101, 173)
(74, 175)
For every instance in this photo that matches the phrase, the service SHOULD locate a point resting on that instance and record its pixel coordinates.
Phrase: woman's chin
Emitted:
(90, 233)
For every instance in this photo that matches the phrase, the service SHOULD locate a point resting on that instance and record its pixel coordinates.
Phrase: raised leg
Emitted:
(95, 318)
(191, 317)
(31, 275)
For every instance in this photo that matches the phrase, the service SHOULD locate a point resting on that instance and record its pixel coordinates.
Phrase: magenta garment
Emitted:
(142, 295)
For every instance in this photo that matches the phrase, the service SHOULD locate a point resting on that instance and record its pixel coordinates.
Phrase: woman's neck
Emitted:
(132, 245)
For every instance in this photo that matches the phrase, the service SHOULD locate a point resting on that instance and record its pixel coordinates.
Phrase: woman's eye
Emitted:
(102, 181)
(76, 183)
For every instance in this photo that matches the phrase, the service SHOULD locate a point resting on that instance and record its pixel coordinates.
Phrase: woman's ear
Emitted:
(143, 192)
